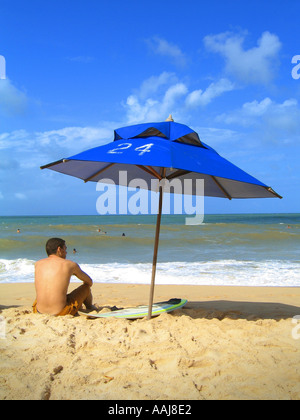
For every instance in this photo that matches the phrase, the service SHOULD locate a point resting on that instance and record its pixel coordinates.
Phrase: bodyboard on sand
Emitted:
(140, 311)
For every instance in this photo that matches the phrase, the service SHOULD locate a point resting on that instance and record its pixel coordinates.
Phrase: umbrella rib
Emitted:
(221, 188)
(150, 171)
(273, 192)
(99, 172)
(53, 163)
(178, 173)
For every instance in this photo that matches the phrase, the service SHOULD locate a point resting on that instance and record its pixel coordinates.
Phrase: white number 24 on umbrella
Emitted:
(124, 146)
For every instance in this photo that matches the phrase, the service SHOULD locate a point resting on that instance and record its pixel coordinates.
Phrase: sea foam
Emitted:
(219, 272)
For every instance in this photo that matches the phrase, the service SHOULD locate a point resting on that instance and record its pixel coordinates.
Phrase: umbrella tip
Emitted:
(170, 118)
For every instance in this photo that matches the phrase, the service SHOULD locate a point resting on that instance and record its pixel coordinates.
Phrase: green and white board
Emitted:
(140, 311)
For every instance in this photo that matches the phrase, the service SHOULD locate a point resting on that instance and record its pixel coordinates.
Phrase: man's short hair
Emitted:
(53, 244)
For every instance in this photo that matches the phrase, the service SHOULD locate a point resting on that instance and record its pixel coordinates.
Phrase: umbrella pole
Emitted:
(158, 220)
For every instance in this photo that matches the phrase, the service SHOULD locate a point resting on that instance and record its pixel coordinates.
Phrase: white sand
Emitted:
(226, 343)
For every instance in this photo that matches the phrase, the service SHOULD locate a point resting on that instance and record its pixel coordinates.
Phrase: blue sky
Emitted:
(76, 70)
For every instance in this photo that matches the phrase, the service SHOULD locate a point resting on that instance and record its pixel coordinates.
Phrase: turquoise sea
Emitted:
(237, 249)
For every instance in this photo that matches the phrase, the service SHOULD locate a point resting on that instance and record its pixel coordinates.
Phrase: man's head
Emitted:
(56, 246)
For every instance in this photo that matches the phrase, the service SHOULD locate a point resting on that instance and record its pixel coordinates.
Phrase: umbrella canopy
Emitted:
(162, 150)
(143, 149)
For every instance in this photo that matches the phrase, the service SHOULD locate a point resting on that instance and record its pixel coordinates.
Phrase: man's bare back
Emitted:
(52, 279)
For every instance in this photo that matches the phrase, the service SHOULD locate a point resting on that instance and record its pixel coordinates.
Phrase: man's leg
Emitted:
(88, 302)
(82, 295)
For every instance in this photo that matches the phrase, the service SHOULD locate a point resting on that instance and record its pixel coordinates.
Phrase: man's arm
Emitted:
(82, 275)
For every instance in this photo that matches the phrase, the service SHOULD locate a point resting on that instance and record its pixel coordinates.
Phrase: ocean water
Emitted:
(245, 250)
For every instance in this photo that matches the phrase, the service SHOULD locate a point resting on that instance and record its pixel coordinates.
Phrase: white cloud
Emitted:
(200, 97)
(216, 137)
(12, 100)
(173, 93)
(257, 110)
(22, 150)
(276, 121)
(137, 112)
(154, 109)
(74, 138)
(151, 85)
(255, 65)
(162, 95)
(165, 48)
(14, 139)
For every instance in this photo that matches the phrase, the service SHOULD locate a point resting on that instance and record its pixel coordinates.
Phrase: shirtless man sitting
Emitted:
(52, 279)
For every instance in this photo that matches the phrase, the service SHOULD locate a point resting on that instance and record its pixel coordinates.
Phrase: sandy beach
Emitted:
(226, 343)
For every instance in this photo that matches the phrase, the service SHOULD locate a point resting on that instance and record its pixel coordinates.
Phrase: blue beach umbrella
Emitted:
(162, 151)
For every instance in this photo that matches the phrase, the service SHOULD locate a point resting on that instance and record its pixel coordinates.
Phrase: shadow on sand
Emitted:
(220, 309)
(3, 307)
(250, 311)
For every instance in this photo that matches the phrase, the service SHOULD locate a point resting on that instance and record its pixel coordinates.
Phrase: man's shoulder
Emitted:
(40, 262)
(70, 264)
(56, 261)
